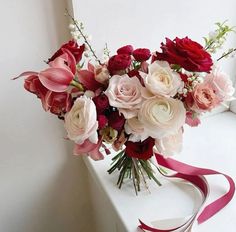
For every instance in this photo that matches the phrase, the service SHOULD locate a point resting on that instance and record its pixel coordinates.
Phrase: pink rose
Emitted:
(170, 145)
(222, 84)
(205, 97)
(125, 93)
(81, 121)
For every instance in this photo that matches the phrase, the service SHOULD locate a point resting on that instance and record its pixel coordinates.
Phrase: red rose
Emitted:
(101, 102)
(102, 121)
(141, 54)
(116, 120)
(119, 62)
(140, 150)
(128, 49)
(187, 53)
(58, 103)
(71, 46)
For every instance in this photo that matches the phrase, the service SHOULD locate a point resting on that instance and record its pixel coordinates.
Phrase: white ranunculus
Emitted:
(135, 129)
(170, 145)
(162, 116)
(162, 80)
(81, 121)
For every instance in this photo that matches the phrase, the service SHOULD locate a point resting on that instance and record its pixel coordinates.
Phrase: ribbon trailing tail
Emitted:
(195, 176)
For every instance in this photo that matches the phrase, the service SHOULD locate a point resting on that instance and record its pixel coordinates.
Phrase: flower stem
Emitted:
(84, 37)
(226, 54)
(77, 85)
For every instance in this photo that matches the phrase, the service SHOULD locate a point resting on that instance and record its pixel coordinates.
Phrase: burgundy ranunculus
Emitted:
(102, 121)
(141, 54)
(119, 62)
(101, 102)
(140, 150)
(116, 120)
(58, 103)
(128, 49)
(72, 46)
(187, 53)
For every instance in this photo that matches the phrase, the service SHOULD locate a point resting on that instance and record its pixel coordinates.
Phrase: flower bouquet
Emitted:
(135, 101)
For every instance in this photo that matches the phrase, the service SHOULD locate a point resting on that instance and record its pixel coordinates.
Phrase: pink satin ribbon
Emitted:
(195, 176)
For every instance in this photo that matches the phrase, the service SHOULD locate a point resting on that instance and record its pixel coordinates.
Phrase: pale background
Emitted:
(43, 188)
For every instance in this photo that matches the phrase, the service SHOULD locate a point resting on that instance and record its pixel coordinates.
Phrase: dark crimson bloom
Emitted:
(140, 150)
(187, 53)
(119, 62)
(101, 102)
(102, 121)
(71, 46)
(141, 54)
(128, 49)
(116, 120)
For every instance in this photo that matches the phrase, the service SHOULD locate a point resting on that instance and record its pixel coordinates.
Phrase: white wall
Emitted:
(43, 187)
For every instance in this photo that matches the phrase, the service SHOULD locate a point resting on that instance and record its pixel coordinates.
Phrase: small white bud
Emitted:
(194, 83)
(185, 90)
(72, 27)
(199, 79)
(189, 79)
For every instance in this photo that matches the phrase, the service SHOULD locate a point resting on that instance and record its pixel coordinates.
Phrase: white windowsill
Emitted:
(210, 145)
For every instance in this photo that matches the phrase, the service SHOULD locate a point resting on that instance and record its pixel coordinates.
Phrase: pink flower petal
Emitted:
(56, 79)
(25, 74)
(87, 79)
(192, 121)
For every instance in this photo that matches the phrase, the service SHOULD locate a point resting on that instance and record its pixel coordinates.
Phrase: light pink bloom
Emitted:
(162, 116)
(125, 93)
(192, 120)
(170, 145)
(222, 84)
(135, 129)
(205, 97)
(89, 148)
(81, 121)
(162, 80)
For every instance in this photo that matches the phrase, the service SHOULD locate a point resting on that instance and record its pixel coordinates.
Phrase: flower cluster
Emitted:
(128, 102)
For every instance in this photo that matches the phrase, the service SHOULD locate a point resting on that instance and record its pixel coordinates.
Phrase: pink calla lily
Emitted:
(87, 79)
(90, 149)
(56, 79)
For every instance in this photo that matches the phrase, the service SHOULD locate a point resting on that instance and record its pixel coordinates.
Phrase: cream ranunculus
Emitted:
(170, 145)
(81, 121)
(135, 129)
(162, 80)
(125, 93)
(162, 116)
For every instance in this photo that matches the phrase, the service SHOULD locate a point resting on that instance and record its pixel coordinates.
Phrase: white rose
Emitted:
(162, 116)
(135, 129)
(125, 93)
(170, 145)
(162, 80)
(81, 121)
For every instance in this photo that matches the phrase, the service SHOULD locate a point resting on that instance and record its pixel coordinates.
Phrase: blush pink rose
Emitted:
(81, 121)
(222, 84)
(205, 97)
(125, 93)
(170, 145)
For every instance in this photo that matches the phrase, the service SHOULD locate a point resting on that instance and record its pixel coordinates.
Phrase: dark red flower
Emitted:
(187, 53)
(119, 62)
(71, 46)
(135, 73)
(101, 102)
(102, 121)
(116, 120)
(184, 77)
(140, 150)
(141, 54)
(128, 49)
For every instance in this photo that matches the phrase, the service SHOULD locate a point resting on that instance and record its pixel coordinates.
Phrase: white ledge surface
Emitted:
(211, 145)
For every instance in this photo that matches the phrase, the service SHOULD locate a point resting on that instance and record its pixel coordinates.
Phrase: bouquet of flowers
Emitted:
(136, 100)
